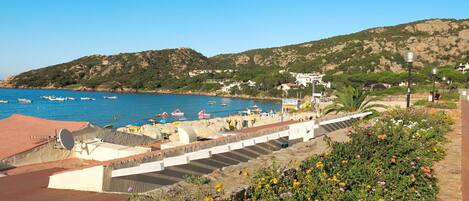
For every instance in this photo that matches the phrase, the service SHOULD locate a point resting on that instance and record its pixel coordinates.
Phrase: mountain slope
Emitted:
(440, 41)
(437, 42)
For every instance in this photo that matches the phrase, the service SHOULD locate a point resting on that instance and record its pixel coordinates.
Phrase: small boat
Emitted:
(87, 98)
(177, 113)
(3, 101)
(223, 104)
(57, 99)
(203, 115)
(162, 115)
(182, 119)
(110, 97)
(69, 98)
(24, 100)
(162, 121)
(255, 109)
(212, 102)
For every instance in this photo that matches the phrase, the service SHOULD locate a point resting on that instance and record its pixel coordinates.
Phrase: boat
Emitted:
(24, 100)
(255, 109)
(110, 97)
(177, 113)
(203, 115)
(69, 98)
(87, 98)
(162, 121)
(57, 99)
(223, 104)
(212, 102)
(3, 101)
(162, 115)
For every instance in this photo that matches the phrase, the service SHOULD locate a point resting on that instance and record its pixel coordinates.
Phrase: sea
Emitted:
(127, 109)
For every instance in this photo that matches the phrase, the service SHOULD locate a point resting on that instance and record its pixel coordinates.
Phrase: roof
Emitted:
(20, 133)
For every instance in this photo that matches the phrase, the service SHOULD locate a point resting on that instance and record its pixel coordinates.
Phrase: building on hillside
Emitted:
(463, 67)
(303, 79)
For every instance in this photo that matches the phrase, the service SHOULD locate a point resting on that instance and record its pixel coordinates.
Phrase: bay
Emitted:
(128, 108)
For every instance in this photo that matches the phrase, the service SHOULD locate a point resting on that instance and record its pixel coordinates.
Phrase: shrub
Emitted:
(197, 180)
(386, 159)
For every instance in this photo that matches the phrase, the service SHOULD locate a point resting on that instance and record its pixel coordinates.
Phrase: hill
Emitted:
(436, 42)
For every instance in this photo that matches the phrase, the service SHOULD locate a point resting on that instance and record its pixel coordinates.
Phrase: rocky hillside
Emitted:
(440, 42)
(127, 70)
(436, 42)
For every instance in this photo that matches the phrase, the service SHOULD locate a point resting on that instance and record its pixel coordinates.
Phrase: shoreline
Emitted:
(132, 91)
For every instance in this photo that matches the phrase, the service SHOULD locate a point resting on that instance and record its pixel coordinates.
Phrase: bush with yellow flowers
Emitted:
(387, 158)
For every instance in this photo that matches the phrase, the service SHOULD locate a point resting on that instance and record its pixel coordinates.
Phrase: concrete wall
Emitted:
(103, 151)
(41, 154)
(88, 179)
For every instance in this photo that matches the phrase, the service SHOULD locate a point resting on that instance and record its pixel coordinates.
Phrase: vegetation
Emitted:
(390, 159)
(350, 99)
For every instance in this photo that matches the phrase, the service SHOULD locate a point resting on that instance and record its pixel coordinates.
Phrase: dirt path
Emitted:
(237, 177)
(465, 149)
(448, 170)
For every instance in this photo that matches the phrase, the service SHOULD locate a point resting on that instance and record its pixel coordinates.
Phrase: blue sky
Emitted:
(39, 33)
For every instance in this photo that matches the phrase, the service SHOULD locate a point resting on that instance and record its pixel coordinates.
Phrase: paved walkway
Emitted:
(33, 187)
(465, 149)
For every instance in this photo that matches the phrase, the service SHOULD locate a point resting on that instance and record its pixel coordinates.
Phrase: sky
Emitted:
(39, 33)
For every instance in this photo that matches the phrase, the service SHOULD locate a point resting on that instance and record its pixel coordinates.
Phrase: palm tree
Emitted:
(351, 99)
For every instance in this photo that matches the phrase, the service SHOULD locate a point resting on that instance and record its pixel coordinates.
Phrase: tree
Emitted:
(351, 99)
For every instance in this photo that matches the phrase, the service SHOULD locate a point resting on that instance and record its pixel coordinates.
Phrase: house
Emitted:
(303, 79)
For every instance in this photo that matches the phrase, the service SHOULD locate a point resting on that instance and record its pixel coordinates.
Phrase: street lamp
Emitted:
(409, 58)
(434, 72)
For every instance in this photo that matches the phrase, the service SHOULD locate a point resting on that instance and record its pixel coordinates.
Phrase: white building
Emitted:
(303, 79)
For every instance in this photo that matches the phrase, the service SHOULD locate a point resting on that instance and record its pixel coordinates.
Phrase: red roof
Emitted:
(19, 133)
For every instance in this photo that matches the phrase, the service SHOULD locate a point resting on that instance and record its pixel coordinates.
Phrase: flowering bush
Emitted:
(388, 158)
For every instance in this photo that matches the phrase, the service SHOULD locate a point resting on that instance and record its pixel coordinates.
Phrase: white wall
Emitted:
(88, 179)
(103, 151)
(303, 130)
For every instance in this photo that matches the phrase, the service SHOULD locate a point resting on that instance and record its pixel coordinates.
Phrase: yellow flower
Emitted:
(262, 179)
(208, 198)
(327, 153)
(245, 173)
(296, 184)
(267, 186)
(219, 187)
(319, 164)
(274, 181)
(342, 184)
(368, 186)
(344, 162)
(308, 171)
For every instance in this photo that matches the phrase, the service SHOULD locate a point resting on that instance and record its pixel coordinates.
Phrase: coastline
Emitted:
(130, 91)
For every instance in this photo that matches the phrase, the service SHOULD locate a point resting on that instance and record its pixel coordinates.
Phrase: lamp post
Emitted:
(409, 58)
(434, 72)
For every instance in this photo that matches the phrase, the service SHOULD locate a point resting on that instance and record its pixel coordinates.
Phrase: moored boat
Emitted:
(223, 104)
(110, 97)
(203, 115)
(177, 113)
(24, 100)
(3, 101)
(87, 98)
(162, 115)
(212, 102)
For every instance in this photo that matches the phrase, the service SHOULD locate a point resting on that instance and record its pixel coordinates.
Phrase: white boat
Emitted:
(177, 113)
(69, 98)
(60, 99)
(203, 115)
(223, 104)
(110, 97)
(87, 98)
(24, 100)
(212, 102)
(3, 101)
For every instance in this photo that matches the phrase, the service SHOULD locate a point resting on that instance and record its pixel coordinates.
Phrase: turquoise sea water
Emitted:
(127, 109)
